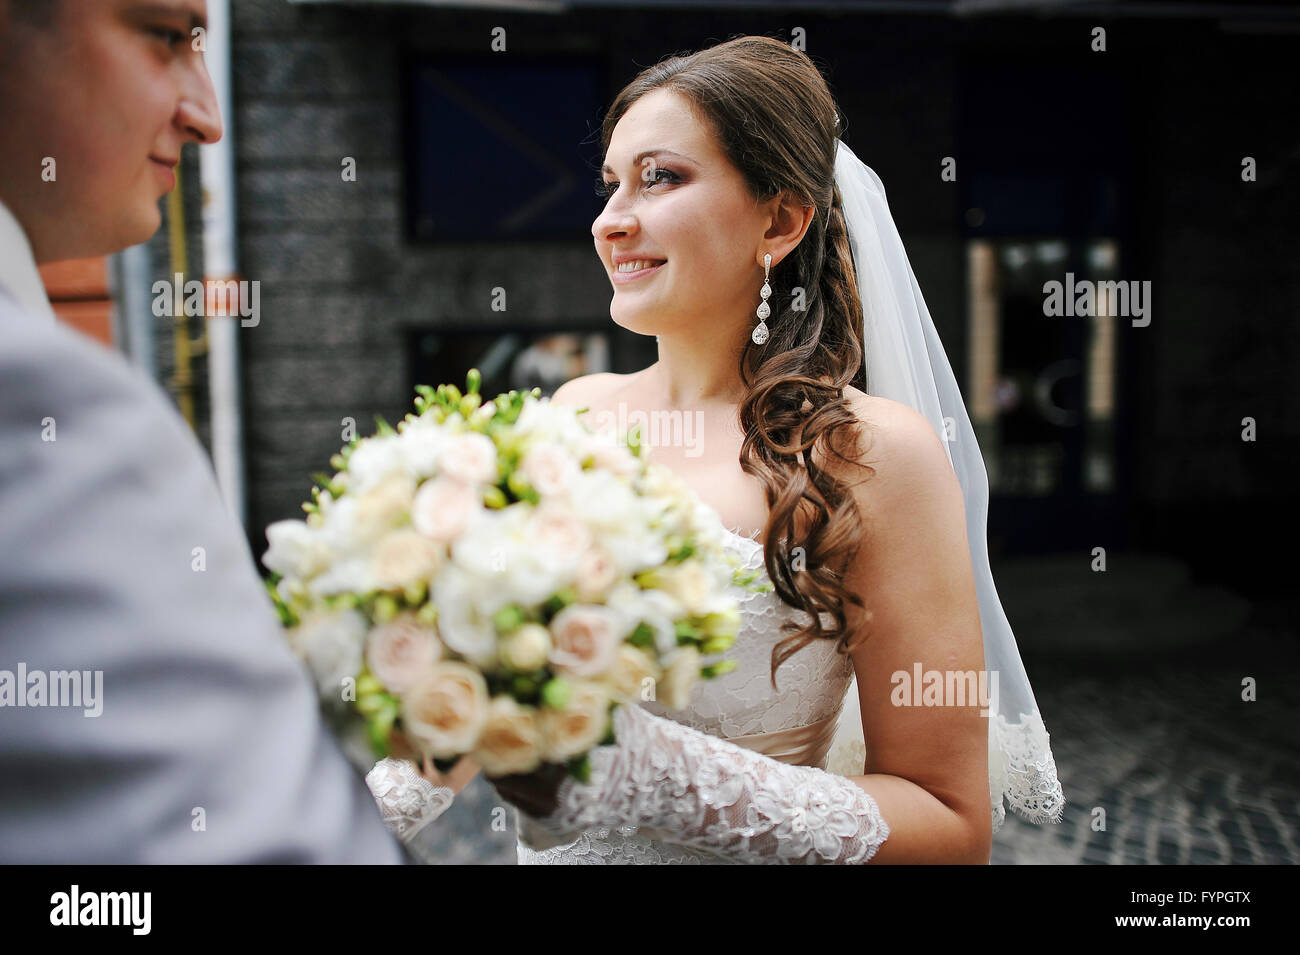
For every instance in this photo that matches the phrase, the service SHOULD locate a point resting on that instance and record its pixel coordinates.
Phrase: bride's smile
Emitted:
(678, 238)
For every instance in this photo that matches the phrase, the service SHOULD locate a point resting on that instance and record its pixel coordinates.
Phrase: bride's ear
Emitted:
(789, 220)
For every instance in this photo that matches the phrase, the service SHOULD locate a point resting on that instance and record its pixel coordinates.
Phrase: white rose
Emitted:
(656, 609)
(372, 460)
(383, 507)
(511, 739)
(551, 421)
(463, 627)
(400, 652)
(679, 678)
(347, 575)
(550, 468)
(632, 668)
(403, 557)
(608, 502)
(609, 455)
(421, 444)
(526, 649)
(443, 714)
(443, 508)
(585, 639)
(577, 726)
(470, 458)
(295, 549)
(331, 643)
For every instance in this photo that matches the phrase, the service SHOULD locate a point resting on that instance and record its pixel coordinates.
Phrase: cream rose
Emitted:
(404, 557)
(627, 679)
(511, 739)
(383, 507)
(526, 649)
(558, 528)
(443, 714)
(597, 573)
(577, 726)
(401, 652)
(443, 508)
(690, 583)
(679, 678)
(550, 468)
(585, 639)
(470, 458)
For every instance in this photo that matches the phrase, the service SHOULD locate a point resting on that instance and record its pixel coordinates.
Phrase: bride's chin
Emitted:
(636, 324)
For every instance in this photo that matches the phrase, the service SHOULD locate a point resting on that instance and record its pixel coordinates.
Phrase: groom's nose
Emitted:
(197, 113)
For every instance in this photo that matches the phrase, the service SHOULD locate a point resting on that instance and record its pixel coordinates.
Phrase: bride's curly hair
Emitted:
(776, 121)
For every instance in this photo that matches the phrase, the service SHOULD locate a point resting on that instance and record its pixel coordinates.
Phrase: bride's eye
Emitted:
(606, 189)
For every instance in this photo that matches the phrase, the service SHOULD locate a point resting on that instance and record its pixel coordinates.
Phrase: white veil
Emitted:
(905, 361)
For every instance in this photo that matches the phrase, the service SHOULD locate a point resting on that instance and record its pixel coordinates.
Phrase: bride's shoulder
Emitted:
(587, 389)
(898, 438)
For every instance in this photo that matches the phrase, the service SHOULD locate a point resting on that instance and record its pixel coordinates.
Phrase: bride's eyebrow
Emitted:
(639, 157)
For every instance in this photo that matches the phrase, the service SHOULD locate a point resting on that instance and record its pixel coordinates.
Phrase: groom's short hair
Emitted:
(38, 13)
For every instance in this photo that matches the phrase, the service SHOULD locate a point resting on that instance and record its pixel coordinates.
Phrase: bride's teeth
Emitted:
(637, 265)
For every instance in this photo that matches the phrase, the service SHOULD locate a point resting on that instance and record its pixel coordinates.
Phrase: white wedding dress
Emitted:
(794, 724)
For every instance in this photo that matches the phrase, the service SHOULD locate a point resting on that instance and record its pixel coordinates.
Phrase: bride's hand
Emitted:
(536, 793)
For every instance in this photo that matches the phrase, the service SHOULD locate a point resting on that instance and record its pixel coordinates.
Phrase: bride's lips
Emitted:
(166, 167)
(622, 278)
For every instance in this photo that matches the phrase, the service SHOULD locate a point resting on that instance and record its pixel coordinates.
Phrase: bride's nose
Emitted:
(614, 221)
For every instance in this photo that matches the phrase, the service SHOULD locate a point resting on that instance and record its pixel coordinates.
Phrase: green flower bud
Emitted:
(556, 692)
(385, 608)
(427, 615)
(508, 618)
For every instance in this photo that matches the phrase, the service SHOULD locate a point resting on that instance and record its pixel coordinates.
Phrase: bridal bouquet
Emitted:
(492, 578)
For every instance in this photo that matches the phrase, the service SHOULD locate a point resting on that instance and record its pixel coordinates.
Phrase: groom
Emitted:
(150, 710)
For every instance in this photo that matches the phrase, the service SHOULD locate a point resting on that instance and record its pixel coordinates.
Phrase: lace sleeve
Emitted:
(407, 801)
(679, 785)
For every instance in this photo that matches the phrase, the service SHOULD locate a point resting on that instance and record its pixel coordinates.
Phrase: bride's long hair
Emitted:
(776, 121)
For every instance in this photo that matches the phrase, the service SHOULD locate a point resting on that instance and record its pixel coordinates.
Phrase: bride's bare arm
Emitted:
(927, 765)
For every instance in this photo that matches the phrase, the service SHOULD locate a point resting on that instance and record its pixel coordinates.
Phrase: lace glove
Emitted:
(677, 784)
(407, 801)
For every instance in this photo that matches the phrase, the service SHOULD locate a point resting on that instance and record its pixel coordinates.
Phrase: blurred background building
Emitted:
(414, 194)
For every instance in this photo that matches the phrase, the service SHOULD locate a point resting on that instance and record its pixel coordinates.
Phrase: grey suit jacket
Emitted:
(208, 746)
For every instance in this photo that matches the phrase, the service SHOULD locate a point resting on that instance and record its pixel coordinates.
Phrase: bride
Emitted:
(743, 234)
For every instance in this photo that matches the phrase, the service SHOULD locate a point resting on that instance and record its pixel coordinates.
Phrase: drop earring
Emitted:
(759, 335)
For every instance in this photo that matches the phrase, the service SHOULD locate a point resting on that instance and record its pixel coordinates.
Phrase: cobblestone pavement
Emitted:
(1161, 748)
(1172, 761)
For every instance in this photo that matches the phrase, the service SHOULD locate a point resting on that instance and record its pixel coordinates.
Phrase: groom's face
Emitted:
(97, 98)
